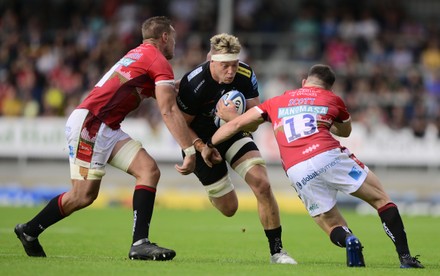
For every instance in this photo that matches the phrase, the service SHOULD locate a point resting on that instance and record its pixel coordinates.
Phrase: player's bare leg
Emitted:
(82, 194)
(373, 192)
(226, 204)
(335, 226)
(257, 179)
(147, 174)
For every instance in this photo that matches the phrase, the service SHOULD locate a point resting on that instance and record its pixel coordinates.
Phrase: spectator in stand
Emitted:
(81, 36)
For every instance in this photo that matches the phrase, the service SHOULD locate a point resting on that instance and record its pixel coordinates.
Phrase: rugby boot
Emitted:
(282, 258)
(354, 252)
(145, 250)
(406, 261)
(31, 245)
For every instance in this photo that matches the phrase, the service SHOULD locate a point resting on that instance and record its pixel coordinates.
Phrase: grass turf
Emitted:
(95, 241)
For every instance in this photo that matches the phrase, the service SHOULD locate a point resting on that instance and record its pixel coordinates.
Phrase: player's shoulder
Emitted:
(329, 94)
(197, 74)
(244, 69)
(195, 79)
(149, 54)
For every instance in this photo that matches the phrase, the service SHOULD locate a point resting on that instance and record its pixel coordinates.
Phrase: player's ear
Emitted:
(165, 37)
(303, 82)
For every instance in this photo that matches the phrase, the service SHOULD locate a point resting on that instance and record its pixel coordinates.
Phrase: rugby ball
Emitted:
(237, 98)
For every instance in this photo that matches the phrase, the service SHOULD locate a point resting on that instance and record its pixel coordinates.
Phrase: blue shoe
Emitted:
(354, 252)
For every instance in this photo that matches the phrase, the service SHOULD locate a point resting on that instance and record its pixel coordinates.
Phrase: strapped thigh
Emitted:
(125, 155)
(247, 164)
(220, 188)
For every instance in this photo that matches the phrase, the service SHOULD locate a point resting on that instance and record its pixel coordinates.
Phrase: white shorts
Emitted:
(90, 141)
(318, 179)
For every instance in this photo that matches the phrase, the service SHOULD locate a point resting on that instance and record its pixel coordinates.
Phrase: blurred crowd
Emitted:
(52, 52)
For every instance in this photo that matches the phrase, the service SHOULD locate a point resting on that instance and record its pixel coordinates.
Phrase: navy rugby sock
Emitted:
(274, 238)
(143, 204)
(393, 225)
(51, 214)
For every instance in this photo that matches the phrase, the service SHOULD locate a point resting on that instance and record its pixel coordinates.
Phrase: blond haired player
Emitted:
(199, 91)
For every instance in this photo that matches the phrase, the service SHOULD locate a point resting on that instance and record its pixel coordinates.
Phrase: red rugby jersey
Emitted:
(301, 121)
(127, 83)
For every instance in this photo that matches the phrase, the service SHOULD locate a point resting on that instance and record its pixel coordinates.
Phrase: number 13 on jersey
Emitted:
(299, 126)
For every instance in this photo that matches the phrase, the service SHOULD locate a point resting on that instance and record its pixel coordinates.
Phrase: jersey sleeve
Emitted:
(263, 109)
(343, 114)
(254, 84)
(249, 80)
(161, 72)
(186, 100)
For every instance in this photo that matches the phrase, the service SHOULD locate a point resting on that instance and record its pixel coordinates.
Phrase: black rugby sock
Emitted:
(51, 214)
(274, 238)
(339, 234)
(143, 204)
(393, 225)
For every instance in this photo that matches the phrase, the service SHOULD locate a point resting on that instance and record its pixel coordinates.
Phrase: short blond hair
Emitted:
(225, 44)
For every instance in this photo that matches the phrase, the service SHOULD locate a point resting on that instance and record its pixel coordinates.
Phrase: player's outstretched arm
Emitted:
(176, 124)
(341, 129)
(248, 121)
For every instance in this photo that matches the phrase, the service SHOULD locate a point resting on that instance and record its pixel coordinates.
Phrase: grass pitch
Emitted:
(96, 241)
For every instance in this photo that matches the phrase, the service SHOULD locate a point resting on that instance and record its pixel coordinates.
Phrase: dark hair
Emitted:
(324, 73)
(154, 27)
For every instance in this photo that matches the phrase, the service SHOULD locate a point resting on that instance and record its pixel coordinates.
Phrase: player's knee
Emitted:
(229, 213)
(149, 174)
(228, 209)
(222, 196)
(262, 187)
(79, 201)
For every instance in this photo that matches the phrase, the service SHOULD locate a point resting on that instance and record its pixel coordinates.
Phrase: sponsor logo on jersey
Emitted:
(291, 111)
(126, 61)
(313, 207)
(135, 56)
(71, 151)
(243, 71)
(198, 86)
(355, 173)
(194, 73)
(316, 173)
(181, 104)
(310, 149)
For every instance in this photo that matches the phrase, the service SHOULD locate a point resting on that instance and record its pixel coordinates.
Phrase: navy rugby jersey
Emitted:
(199, 94)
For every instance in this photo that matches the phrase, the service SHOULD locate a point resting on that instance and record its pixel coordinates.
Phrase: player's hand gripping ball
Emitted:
(237, 98)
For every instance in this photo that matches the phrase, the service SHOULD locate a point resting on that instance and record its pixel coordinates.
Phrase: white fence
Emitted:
(44, 138)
